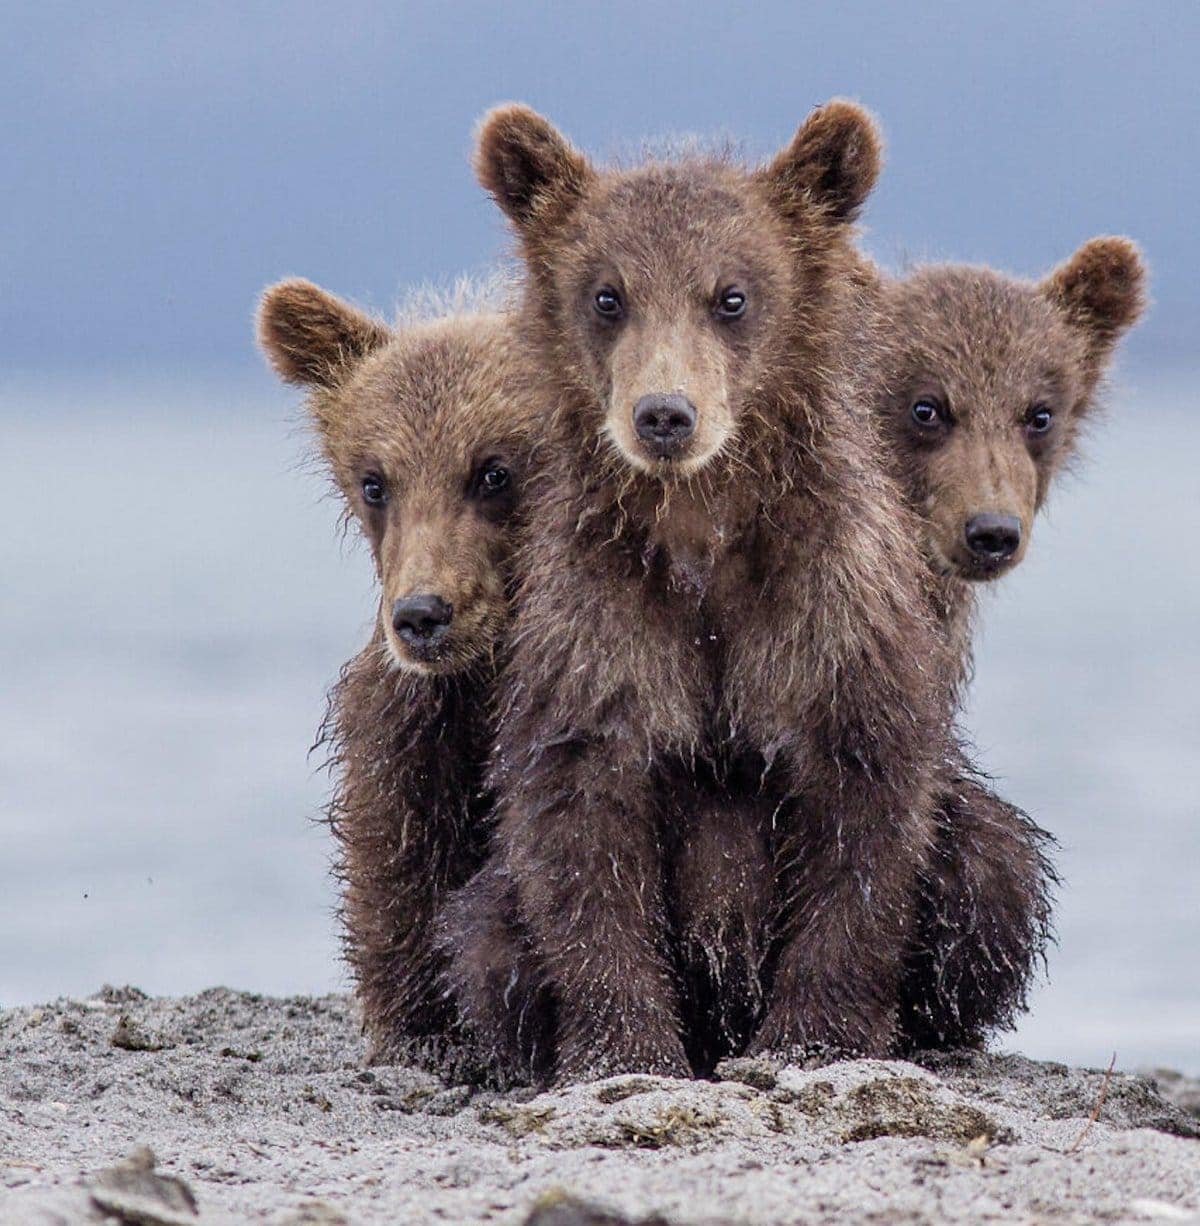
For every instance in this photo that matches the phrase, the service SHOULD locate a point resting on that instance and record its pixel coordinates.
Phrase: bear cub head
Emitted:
(985, 383)
(669, 296)
(424, 433)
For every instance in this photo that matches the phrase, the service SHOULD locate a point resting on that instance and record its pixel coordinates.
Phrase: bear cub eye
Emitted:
(374, 491)
(607, 303)
(1039, 419)
(928, 412)
(731, 304)
(492, 479)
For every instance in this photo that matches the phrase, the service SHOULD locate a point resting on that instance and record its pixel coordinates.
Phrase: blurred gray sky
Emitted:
(163, 162)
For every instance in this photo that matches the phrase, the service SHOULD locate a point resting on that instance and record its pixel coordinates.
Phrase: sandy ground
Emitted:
(259, 1110)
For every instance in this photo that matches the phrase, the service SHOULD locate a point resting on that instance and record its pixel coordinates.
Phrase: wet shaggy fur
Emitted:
(718, 885)
(497, 980)
(410, 815)
(982, 924)
(748, 608)
(991, 355)
(413, 417)
(722, 871)
(984, 920)
(987, 350)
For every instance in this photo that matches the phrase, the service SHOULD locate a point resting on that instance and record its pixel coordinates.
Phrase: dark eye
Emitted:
(493, 479)
(374, 491)
(608, 303)
(731, 304)
(927, 412)
(1039, 419)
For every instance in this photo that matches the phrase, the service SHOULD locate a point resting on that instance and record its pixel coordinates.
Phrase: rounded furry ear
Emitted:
(832, 162)
(1102, 288)
(311, 337)
(527, 165)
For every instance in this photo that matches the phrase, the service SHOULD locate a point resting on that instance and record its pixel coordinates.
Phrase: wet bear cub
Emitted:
(719, 583)
(425, 435)
(983, 385)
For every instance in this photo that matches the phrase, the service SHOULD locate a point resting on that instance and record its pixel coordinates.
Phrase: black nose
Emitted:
(993, 538)
(421, 620)
(665, 422)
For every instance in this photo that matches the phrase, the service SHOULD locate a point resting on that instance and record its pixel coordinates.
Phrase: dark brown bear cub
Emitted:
(983, 385)
(719, 580)
(426, 437)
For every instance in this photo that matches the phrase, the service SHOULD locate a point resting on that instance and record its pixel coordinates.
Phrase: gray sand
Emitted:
(259, 1109)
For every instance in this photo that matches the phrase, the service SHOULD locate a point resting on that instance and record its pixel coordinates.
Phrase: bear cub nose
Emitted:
(664, 422)
(992, 537)
(421, 620)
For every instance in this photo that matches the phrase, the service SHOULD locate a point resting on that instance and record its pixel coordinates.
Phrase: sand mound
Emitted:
(231, 1107)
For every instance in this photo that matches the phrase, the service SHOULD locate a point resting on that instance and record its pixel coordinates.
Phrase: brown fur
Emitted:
(1002, 346)
(722, 888)
(422, 410)
(988, 349)
(985, 917)
(719, 886)
(749, 609)
(495, 976)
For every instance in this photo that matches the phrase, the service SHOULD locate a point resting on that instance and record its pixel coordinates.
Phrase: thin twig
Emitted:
(1112, 1064)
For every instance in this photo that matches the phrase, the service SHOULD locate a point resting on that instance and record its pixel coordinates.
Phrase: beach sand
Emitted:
(260, 1110)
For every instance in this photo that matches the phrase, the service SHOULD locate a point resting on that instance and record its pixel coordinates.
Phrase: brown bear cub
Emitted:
(983, 385)
(719, 582)
(426, 436)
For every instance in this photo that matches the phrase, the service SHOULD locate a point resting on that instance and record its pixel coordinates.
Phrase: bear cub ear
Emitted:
(527, 165)
(311, 337)
(1102, 288)
(832, 162)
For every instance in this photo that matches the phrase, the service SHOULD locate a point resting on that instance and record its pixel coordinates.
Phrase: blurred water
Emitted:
(176, 601)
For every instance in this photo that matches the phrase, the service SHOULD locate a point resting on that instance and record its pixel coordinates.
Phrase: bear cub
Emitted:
(719, 582)
(425, 433)
(983, 385)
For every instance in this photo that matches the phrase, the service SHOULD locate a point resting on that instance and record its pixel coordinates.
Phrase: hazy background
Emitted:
(175, 601)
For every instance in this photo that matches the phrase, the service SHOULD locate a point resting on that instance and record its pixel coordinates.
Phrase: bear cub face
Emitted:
(986, 381)
(670, 289)
(424, 435)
